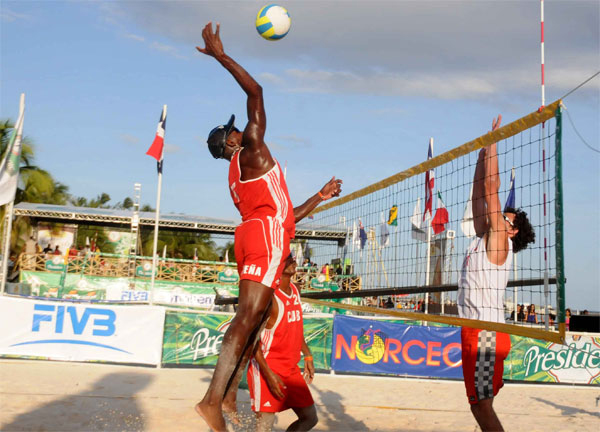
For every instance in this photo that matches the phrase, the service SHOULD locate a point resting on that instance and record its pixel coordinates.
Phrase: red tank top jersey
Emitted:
(262, 197)
(282, 344)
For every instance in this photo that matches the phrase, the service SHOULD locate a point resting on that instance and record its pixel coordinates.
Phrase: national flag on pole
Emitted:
(429, 183)
(227, 256)
(417, 233)
(440, 219)
(9, 168)
(362, 234)
(157, 147)
(510, 201)
(393, 216)
(467, 225)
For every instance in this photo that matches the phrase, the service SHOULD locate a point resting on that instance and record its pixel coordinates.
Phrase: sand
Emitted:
(60, 396)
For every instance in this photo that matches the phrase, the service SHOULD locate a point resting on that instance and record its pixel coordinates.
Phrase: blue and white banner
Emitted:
(368, 346)
(81, 332)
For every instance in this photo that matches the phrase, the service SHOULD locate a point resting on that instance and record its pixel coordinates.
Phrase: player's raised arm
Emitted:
(257, 121)
(332, 188)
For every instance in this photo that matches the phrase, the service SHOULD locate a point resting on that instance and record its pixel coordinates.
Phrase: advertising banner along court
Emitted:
(369, 346)
(80, 332)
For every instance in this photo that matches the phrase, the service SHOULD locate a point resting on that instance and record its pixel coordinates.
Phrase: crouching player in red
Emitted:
(274, 378)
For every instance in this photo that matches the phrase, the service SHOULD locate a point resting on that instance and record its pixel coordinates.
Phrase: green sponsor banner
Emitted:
(85, 287)
(323, 285)
(195, 338)
(576, 362)
(228, 276)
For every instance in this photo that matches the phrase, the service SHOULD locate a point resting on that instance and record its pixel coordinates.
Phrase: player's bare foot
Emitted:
(212, 415)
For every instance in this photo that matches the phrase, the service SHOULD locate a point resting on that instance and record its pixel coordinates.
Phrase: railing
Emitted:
(111, 265)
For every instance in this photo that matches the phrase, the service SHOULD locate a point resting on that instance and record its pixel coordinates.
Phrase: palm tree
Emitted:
(35, 185)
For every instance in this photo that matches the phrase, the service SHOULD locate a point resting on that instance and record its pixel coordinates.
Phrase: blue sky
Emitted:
(355, 87)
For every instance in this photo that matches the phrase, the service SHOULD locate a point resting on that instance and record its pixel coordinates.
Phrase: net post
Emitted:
(558, 209)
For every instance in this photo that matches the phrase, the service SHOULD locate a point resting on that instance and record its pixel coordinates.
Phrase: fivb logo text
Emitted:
(60, 318)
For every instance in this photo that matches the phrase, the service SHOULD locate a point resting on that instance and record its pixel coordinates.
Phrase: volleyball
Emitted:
(273, 22)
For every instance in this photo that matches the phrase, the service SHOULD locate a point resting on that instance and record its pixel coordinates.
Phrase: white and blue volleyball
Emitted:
(273, 22)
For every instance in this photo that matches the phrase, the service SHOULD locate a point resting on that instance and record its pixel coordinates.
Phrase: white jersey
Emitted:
(481, 285)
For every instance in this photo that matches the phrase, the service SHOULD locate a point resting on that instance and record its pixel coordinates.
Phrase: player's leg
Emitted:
(264, 421)
(307, 419)
(486, 417)
(230, 401)
(254, 300)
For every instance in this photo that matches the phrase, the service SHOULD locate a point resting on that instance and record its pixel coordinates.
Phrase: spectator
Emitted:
(521, 313)
(531, 315)
(57, 251)
(567, 317)
(585, 312)
(389, 304)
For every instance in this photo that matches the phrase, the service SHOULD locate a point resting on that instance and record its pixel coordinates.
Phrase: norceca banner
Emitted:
(81, 332)
(368, 346)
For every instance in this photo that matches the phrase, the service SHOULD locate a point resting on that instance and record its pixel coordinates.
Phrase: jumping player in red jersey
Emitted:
(274, 378)
(259, 191)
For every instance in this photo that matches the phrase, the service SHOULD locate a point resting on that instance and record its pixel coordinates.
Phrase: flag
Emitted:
(441, 216)
(393, 217)
(9, 168)
(306, 250)
(384, 235)
(363, 235)
(510, 201)
(164, 252)
(417, 233)
(195, 254)
(467, 225)
(227, 255)
(156, 149)
(429, 183)
(298, 255)
(345, 248)
(355, 238)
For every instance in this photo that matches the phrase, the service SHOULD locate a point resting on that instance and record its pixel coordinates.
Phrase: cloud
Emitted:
(172, 148)
(8, 15)
(168, 49)
(433, 49)
(129, 139)
(135, 37)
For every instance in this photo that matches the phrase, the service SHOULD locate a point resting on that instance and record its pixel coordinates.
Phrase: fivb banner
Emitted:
(81, 332)
(369, 346)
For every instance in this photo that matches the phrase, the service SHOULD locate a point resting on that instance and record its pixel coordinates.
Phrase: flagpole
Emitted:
(6, 238)
(428, 263)
(156, 219)
(9, 206)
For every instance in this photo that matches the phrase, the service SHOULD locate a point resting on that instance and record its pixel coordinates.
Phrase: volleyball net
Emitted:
(397, 257)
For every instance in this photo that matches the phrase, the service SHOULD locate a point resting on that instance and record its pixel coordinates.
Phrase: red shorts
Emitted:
(261, 247)
(483, 354)
(297, 394)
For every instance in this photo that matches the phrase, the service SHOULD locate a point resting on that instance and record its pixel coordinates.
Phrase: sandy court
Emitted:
(59, 396)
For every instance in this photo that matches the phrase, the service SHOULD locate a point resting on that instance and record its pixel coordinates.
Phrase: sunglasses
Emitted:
(508, 221)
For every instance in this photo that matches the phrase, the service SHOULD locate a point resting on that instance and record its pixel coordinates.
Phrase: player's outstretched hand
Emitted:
(332, 188)
(212, 42)
(309, 371)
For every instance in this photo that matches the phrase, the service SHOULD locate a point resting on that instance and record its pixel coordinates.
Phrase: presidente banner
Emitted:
(576, 362)
(368, 346)
(80, 332)
(195, 338)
